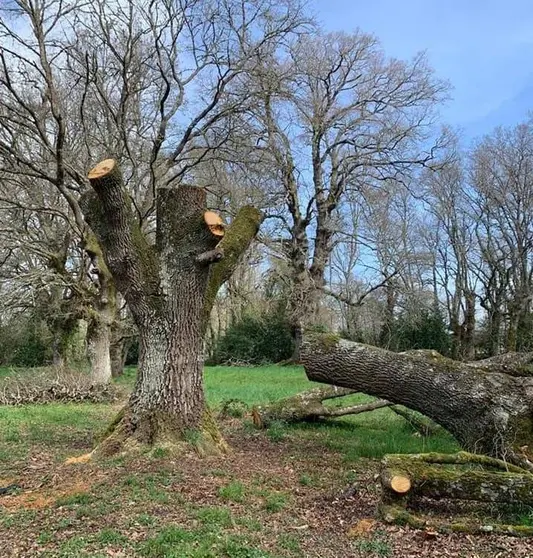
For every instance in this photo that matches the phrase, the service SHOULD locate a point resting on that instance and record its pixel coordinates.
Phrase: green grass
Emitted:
(234, 491)
(236, 521)
(5, 371)
(175, 542)
(369, 435)
(253, 385)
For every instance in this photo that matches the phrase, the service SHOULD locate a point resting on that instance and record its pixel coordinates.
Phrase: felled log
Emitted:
(461, 476)
(432, 477)
(487, 412)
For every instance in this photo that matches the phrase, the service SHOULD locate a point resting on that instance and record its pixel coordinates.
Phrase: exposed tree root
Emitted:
(125, 435)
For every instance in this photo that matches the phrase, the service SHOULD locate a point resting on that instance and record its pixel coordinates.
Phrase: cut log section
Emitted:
(215, 223)
(397, 481)
(428, 479)
(407, 479)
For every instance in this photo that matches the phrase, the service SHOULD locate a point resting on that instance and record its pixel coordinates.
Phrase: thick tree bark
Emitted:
(120, 345)
(514, 364)
(406, 479)
(431, 476)
(170, 289)
(488, 412)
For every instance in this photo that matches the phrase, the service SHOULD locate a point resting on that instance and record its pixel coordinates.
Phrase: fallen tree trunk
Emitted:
(308, 406)
(487, 412)
(514, 364)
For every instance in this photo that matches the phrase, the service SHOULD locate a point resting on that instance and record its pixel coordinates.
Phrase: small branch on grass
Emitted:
(308, 406)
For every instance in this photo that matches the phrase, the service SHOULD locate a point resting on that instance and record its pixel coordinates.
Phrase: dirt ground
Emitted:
(288, 496)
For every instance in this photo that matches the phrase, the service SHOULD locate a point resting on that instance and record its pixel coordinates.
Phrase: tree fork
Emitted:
(170, 289)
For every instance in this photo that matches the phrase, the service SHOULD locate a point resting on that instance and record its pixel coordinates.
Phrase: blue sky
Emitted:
(484, 48)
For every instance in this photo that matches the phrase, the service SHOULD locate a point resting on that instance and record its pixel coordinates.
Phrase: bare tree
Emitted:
(451, 234)
(155, 84)
(334, 115)
(502, 199)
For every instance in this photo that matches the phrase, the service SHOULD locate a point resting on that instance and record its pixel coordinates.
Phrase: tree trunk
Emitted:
(494, 332)
(468, 340)
(98, 350)
(101, 320)
(168, 398)
(68, 345)
(118, 354)
(488, 412)
(297, 339)
(170, 289)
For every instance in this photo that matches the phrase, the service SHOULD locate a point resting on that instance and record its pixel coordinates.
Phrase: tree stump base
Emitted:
(407, 480)
(123, 436)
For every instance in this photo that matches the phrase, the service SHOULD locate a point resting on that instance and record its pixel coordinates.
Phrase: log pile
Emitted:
(407, 480)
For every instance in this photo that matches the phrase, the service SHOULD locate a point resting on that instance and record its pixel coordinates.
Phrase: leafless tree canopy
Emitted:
(375, 213)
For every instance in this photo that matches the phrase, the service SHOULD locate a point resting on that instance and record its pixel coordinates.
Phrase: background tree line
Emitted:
(378, 222)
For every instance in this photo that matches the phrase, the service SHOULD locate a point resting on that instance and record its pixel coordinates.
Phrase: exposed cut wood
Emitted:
(463, 476)
(436, 480)
(400, 483)
(215, 223)
(102, 168)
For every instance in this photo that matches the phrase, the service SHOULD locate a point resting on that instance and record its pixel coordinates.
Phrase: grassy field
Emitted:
(289, 491)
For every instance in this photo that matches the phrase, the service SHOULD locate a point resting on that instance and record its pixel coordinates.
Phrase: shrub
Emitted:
(24, 342)
(425, 330)
(255, 340)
